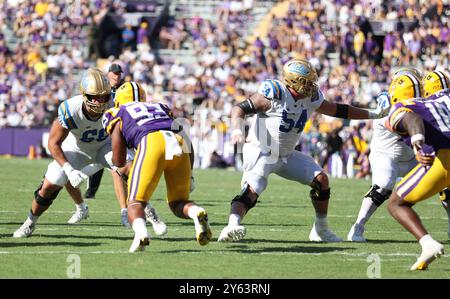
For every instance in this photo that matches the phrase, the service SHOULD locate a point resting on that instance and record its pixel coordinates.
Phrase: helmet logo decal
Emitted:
(299, 69)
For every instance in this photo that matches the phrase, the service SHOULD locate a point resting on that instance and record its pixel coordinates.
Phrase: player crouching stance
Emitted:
(148, 128)
(422, 123)
(77, 139)
(282, 109)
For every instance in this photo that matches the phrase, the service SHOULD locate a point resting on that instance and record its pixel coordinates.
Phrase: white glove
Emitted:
(76, 177)
(383, 106)
(108, 158)
(192, 184)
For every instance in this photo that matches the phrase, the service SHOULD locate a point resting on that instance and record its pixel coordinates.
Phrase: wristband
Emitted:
(417, 137)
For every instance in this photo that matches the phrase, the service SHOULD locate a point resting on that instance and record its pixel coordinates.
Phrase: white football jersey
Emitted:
(278, 130)
(389, 143)
(85, 135)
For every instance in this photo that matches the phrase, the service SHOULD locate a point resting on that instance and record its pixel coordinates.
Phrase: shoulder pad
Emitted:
(65, 116)
(271, 89)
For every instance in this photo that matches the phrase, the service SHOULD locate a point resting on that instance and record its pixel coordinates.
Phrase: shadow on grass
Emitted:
(294, 249)
(378, 241)
(47, 244)
(72, 236)
(220, 225)
(81, 224)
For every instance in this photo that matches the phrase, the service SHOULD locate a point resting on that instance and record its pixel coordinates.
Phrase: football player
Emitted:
(435, 82)
(424, 125)
(77, 139)
(282, 109)
(389, 156)
(115, 79)
(149, 128)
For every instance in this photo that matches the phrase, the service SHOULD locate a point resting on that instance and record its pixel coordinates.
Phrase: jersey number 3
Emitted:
(288, 124)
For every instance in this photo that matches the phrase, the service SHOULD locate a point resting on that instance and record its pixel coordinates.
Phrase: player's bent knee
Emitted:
(177, 207)
(47, 200)
(245, 198)
(322, 179)
(320, 188)
(378, 195)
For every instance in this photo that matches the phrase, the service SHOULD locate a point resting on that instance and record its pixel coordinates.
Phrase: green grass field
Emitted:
(276, 245)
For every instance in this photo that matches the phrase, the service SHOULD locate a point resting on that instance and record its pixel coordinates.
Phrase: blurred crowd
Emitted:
(337, 36)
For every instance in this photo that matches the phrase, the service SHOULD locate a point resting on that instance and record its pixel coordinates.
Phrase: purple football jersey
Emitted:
(435, 112)
(138, 119)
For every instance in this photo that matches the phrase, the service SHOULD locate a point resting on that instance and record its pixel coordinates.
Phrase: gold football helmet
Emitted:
(435, 81)
(301, 76)
(95, 85)
(404, 87)
(129, 92)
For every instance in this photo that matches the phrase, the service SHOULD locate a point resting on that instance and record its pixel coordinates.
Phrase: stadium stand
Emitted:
(201, 57)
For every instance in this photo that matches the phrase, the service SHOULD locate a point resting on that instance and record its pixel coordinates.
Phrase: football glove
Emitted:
(383, 106)
(76, 177)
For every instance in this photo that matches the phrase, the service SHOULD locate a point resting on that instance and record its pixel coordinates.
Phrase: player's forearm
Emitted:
(237, 118)
(57, 153)
(413, 124)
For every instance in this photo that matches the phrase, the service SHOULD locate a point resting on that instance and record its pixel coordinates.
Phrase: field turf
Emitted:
(276, 245)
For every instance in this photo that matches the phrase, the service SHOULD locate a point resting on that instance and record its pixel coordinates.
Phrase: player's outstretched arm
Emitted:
(351, 112)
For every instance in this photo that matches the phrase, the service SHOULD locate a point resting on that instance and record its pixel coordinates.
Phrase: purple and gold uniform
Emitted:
(147, 127)
(422, 182)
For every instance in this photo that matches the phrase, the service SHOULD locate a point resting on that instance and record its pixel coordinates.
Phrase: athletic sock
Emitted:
(368, 207)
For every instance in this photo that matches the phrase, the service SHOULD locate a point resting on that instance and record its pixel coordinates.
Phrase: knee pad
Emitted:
(44, 201)
(444, 196)
(244, 198)
(317, 193)
(378, 195)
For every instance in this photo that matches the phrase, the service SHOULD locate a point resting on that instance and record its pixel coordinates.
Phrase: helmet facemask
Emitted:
(97, 104)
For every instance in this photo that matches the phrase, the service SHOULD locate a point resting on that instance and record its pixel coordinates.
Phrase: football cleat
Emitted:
(202, 230)
(79, 215)
(323, 235)
(152, 217)
(139, 243)
(431, 251)
(356, 234)
(25, 230)
(232, 233)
